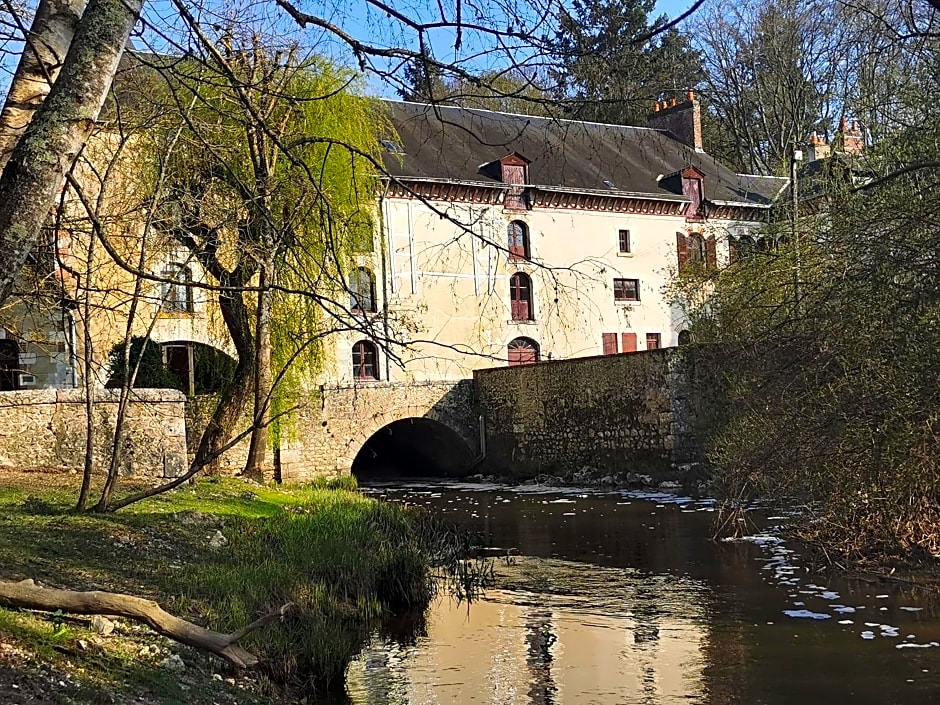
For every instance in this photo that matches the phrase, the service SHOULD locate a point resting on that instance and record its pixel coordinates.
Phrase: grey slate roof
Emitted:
(452, 143)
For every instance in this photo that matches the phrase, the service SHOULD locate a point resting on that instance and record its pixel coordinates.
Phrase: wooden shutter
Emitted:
(514, 174)
(609, 341)
(682, 249)
(692, 189)
(711, 252)
(628, 342)
(520, 297)
(522, 352)
(734, 250)
(518, 241)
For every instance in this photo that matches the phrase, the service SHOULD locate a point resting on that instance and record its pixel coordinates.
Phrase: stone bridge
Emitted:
(385, 430)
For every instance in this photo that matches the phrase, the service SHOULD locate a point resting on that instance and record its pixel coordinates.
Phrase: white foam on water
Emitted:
(806, 614)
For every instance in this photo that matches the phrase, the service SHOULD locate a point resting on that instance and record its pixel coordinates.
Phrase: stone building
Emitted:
(510, 238)
(504, 239)
(501, 239)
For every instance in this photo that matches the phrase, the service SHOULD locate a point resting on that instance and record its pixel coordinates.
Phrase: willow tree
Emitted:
(270, 183)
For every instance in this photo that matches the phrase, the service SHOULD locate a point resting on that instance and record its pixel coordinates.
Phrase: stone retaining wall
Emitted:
(624, 415)
(44, 430)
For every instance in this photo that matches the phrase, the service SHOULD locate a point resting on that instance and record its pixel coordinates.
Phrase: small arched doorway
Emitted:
(413, 447)
(9, 364)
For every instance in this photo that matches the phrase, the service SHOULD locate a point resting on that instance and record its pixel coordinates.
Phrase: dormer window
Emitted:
(513, 170)
(692, 180)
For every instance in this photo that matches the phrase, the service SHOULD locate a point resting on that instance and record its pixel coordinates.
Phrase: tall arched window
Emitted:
(520, 297)
(740, 248)
(362, 290)
(365, 360)
(178, 293)
(522, 351)
(696, 249)
(518, 240)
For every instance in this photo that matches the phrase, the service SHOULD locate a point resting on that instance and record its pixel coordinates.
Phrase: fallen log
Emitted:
(26, 594)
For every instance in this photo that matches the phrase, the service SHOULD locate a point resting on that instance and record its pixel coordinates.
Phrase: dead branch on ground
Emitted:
(26, 594)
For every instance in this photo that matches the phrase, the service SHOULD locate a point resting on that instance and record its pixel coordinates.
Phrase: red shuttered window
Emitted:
(518, 240)
(365, 360)
(520, 297)
(609, 343)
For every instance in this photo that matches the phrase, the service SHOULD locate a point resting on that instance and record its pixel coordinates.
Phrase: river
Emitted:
(622, 598)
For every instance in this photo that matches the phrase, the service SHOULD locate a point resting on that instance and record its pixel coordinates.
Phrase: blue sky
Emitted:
(370, 25)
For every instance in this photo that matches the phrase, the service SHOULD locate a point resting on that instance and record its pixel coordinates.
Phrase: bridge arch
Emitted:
(434, 422)
(413, 447)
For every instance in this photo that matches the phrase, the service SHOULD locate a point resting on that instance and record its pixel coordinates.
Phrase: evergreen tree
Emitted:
(613, 62)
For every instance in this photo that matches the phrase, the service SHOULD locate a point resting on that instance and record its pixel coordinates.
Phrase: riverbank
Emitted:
(220, 554)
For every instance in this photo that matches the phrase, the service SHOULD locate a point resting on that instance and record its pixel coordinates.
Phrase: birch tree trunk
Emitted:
(47, 43)
(59, 130)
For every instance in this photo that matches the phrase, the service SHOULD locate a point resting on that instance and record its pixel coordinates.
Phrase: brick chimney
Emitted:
(818, 148)
(684, 120)
(853, 142)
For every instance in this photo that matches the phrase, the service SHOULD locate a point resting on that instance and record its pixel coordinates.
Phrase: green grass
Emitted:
(344, 559)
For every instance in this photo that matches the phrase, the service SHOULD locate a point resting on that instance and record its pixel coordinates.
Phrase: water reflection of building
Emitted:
(518, 648)
(540, 638)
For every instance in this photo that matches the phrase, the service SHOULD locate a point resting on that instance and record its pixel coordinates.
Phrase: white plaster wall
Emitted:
(447, 281)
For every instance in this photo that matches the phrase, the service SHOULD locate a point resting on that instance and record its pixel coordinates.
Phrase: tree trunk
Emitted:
(233, 399)
(88, 355)
(59, 130)
(257, 450)
(27, 595)
(47, 43)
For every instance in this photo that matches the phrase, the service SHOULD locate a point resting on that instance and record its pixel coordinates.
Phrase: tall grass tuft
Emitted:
(335, 482)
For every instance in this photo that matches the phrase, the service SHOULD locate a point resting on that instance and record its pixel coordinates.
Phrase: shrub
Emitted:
(152, 373)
